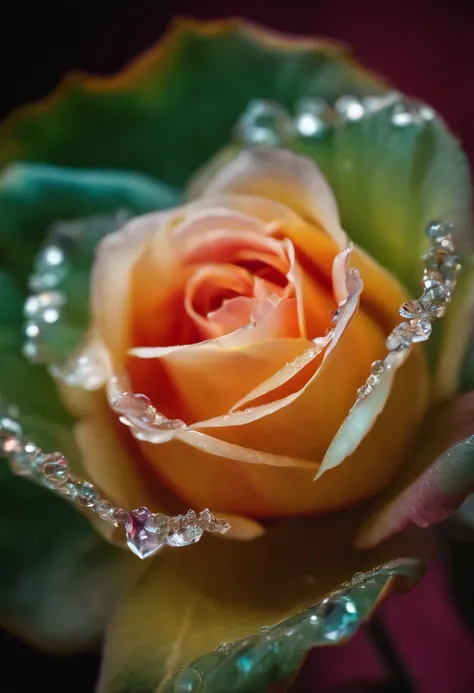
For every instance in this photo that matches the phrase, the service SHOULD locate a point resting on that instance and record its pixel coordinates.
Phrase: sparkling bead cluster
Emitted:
(268, 123)
(146, 532)
(441, 269)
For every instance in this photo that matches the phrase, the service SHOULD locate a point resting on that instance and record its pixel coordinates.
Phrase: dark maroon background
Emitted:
(426, 49)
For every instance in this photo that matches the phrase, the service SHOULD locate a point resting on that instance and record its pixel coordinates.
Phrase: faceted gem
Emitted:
(184, 530)
(377, 368)
(450, 268)
(69, 490)
(55, 473)
(210, 523)
(119, 516)
(400, 337)
(439, 229)
(436, 294)
(421, 330)
(139, 540)
(364, 390)
(103, 509)
(87, 494)
(265, 123)
(341, 619)
(412, 309)
(43, 458)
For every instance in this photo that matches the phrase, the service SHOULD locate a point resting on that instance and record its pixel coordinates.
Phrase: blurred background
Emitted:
(422, 642)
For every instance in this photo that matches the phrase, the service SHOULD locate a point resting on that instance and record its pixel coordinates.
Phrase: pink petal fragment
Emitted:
(425, 493)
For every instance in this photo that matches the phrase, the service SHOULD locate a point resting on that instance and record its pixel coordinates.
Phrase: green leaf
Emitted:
(189, 602)
(178, 105)
(59, 579)
(33, 197)
(391, 180)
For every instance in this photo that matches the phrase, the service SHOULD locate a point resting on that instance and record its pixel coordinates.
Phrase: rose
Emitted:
(393, 167)
(211, 309)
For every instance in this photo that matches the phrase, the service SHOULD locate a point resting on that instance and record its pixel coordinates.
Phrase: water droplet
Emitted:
(187, 681)
(312, 116)
(265, 123)
(349, 108)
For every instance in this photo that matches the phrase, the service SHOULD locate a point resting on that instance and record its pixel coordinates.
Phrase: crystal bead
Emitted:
(210, 523)
(364, 390)
(432, 279)
(435, 258)
(43, 458)
(157, 523)
(139, 540)
(69, 490)
(450, 268)
(412, 309)
(341, 619)
(10, 430)
(44, 307)
(119, 516)
(439, 229)
(87, 494)
(421, 330)
(377, 368)
(265, 123)
(438, 293)
(349, 108)
(445, 243)
(312, 116)
(22, 457)
(358, 578)
(55, 473)
(50, 268)
(184, 530)
(103, 509)
(400, 337)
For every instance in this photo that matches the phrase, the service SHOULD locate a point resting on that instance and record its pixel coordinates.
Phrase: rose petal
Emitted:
(281, 175)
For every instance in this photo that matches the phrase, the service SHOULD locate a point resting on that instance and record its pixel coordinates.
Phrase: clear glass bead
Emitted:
(400, 337)
(421, 330)
(439, 229)
(103, 508)
(184, 530)
(156, 523)
(412, 309)
(377, 368)
(119, 516)
(10, 430)
(450, 268)
(349, 108)
(22, 456)
(364, 390)
(55, 473)
(69, 490)
(43, 458)
(50, 268)
(87, 494)
(312, 116)
(265, 123)
(436, 294)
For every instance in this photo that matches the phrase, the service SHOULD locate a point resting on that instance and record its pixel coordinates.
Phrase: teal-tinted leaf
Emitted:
(33, 197)
(189, 602)
(59, 579)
